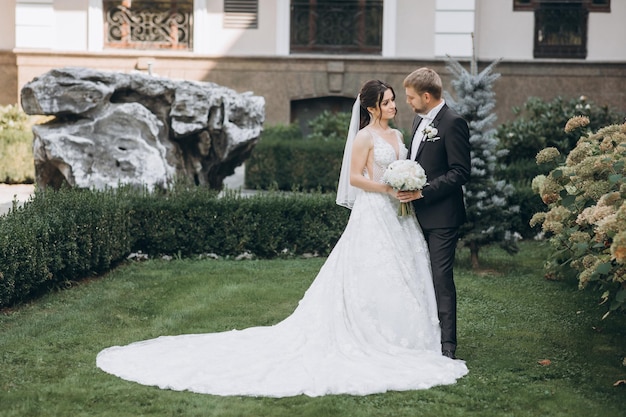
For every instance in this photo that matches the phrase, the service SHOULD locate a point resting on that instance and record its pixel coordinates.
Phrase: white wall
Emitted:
(51, 24)
(454, 25)
(95, 26)
(434, 28)
(35, 24)
(212, 39)
(415, 28)
(503, 33)
(71, 18)
(606, 36)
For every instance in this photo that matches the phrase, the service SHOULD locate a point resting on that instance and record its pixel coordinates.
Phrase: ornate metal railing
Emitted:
(148, 24)
(337, 26)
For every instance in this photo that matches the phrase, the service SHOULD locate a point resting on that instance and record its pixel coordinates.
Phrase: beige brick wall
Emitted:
(283, 79)
(8, 78)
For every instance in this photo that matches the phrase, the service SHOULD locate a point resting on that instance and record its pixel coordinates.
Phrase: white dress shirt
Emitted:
(419, 133)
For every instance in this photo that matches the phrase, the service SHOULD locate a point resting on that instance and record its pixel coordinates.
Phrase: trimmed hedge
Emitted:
(302, 165)
(59, 237)
(286, 160)
(62, 236)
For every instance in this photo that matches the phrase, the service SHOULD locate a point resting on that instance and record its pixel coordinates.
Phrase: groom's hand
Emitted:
(407, 196)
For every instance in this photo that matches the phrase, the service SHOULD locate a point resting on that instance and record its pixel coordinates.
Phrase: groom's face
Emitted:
(418, 102)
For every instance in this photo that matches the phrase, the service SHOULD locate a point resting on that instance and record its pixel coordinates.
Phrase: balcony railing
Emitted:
(155, 24)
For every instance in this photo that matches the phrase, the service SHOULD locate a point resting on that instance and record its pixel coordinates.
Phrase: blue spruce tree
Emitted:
(490, 217)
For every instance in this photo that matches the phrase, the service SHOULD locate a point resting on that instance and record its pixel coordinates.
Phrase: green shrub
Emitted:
(297, 165)
(282, 132)
(586, 219)
(539, 124)
(284, 162)
(63, 236)
(329, 126)
(267, 225)
(59, 237)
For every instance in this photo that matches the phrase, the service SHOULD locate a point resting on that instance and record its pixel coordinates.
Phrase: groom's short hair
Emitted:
(425, 80)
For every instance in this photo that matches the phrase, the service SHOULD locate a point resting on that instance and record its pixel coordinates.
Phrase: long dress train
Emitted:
(367, 324)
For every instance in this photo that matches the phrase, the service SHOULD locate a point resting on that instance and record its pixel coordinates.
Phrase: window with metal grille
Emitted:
(148, 24)
(591, 5)
(523, 5)
(337, 26)
(561, 31)
(599, 6)
(561, 25)
(241, 14)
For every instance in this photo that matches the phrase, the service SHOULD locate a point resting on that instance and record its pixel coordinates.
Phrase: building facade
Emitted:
(305, 56)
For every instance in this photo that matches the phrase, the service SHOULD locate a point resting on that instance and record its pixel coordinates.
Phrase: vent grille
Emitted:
(241, 14)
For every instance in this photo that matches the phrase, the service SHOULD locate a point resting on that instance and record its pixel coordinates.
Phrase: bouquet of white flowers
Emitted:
(405, 175)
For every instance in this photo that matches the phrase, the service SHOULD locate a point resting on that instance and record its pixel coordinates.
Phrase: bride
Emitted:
(367, 324)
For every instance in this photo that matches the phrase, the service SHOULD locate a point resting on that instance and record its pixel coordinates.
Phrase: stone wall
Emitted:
(283, 79)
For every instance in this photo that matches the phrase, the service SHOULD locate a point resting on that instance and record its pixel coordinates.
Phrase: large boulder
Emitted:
(115, 128)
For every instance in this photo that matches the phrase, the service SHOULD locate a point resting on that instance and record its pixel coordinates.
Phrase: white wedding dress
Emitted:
(368, 323)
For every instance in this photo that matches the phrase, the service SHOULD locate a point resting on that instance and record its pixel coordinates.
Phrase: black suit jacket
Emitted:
(447, 164)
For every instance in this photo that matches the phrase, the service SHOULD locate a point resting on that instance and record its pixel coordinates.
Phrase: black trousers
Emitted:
(442, 246)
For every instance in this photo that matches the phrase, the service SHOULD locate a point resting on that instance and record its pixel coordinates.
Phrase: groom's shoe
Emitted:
(448, 354)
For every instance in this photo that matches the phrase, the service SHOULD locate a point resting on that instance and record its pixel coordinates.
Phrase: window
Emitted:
(337, 26)
(241, 14)
(523, 5)
(591, 5)
(561, 25)
(148, 24)
(599, 6)
(560, 31)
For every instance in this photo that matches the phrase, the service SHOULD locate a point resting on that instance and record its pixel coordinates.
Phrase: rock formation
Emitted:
(115, 128)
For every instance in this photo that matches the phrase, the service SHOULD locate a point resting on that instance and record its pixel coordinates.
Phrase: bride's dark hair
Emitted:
(371, 95)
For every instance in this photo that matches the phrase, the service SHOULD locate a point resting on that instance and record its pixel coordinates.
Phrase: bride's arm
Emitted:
(361, 148)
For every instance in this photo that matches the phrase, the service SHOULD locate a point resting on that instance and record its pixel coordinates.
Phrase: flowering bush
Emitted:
(586, 220)
(539, 124)
(16, 145)
(13, 117)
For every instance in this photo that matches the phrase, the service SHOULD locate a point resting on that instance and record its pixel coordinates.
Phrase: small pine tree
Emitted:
(490, 217)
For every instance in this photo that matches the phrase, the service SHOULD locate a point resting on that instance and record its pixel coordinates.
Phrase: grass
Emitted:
(510, 318)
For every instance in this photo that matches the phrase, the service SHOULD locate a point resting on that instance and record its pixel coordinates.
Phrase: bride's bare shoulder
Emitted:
(364, 137)
(399, 134)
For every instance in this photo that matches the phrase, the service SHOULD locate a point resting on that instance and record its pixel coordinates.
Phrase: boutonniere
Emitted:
(430, 132)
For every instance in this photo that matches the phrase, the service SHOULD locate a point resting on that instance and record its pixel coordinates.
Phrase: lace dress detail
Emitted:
(367, 324)
(385, 154)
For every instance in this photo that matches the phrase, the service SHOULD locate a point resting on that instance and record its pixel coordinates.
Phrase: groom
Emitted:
(441, 146)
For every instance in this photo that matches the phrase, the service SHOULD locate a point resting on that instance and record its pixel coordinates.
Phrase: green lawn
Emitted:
(510, 318)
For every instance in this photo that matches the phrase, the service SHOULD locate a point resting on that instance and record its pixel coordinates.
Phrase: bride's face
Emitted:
(387, 109)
